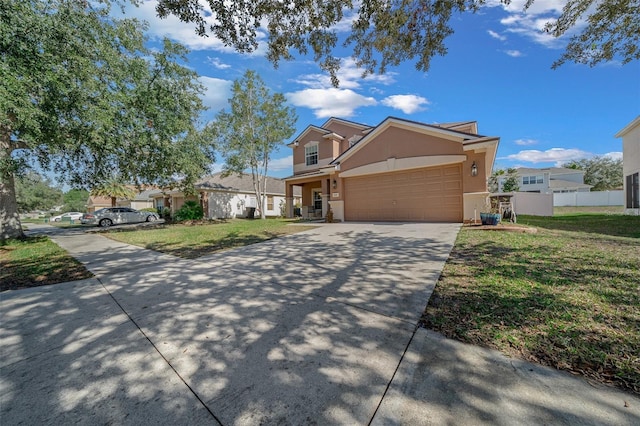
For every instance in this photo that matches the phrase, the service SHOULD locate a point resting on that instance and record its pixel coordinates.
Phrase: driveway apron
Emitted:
(317, 327)
(304, 329)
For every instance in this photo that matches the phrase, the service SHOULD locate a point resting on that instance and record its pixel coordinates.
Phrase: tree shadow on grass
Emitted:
(39, 266)
(584, 319)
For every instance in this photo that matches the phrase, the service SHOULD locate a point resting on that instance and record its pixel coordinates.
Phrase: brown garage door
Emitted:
(432, 194)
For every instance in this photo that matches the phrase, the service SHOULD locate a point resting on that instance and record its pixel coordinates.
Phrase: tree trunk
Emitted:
(113, 201)
(10, 226)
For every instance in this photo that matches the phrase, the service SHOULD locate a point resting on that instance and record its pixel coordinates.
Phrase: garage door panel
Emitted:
(430, 194)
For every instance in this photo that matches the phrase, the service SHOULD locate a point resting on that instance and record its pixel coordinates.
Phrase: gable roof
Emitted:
(629, 127)
(552, 170)
(96, 200)
(240, 183)
(567, 184)
(347, 122)
(308, 129)
(433, 129)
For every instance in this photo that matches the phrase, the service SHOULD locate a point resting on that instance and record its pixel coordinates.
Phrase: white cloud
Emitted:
(613, 155)
(496, 35)
(278, 164)
(524, 142)
(406, 103)
(173, 28)
(330, 102)
(553, 155)
(217, 63)
(349, 74)
(513, 53)
(530, 23)
(218, 92)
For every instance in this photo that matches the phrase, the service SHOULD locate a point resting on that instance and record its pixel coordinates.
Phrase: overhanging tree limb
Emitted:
(385, 33)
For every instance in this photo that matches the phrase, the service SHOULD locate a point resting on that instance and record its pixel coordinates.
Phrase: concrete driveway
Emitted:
(313, 328)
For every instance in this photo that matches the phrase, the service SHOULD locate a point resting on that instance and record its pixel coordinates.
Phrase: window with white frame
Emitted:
(311, 154)
(532, 180)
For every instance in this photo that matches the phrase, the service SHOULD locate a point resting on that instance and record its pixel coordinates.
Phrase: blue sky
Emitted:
(497, 72)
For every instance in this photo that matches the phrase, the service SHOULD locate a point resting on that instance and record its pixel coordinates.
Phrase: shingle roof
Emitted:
(552, 170)
(243, 183)
(559, 183)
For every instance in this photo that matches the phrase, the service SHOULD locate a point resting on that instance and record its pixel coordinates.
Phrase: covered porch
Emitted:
(315, 190)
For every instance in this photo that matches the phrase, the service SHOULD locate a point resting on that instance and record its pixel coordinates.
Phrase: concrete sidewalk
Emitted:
(314, 328)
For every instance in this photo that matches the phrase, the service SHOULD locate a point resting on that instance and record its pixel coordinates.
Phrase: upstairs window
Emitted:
(531, 180)
(311, 154)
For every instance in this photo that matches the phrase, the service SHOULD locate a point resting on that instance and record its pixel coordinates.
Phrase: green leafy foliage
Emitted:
(81, 95)
(190, 210)
(75, 200)
(509, 178)
(604, 173)
(386, 33)
(33, 192)
(258, 123)
(511, 182)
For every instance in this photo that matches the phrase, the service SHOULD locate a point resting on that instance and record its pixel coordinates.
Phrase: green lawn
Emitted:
(567, 296)
(36, 261)
(191, 241)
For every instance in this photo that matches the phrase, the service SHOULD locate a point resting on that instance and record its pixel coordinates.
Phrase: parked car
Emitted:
(117, 215)
(70, 215)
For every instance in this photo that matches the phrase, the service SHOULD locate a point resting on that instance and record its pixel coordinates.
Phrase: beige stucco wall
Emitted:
(473, 205)
(400, 143)
(345, 130)
(474, 183)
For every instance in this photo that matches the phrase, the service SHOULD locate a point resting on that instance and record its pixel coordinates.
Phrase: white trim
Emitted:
(628, 127)
(399, 164)
(307, 154)
(333, 136)
(345, 122)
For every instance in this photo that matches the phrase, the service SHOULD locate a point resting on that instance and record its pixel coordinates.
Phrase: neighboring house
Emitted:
(550, 180)
(631, 165)
(96, 203)
(142, 200)
(399, 170)
(227, 197)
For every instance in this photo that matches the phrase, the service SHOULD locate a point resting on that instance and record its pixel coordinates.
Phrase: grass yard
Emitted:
(567, 296)
(192, 241)
(36, 261)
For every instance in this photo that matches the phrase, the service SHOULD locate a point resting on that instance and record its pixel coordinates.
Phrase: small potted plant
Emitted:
(491, 215)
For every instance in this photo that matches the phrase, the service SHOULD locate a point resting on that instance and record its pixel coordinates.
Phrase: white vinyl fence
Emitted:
(596, 198)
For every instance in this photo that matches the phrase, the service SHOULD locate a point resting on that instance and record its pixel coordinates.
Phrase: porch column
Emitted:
(289, 200)
(325, 196)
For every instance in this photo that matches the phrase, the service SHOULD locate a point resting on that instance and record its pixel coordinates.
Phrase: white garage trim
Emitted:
(400, 164)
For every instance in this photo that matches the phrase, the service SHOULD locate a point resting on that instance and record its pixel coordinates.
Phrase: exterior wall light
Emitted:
(474, 169)
(335, 184)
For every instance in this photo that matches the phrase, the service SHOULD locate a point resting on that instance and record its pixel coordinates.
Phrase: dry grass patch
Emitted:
(564, 298)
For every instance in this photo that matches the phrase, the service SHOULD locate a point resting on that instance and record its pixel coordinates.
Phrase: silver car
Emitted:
(117, 215)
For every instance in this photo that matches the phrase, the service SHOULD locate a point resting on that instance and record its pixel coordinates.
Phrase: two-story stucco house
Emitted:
(550, 180)
(631, 165)
(398, 170)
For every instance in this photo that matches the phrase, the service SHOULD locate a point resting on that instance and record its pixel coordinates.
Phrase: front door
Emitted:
(317, 200)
